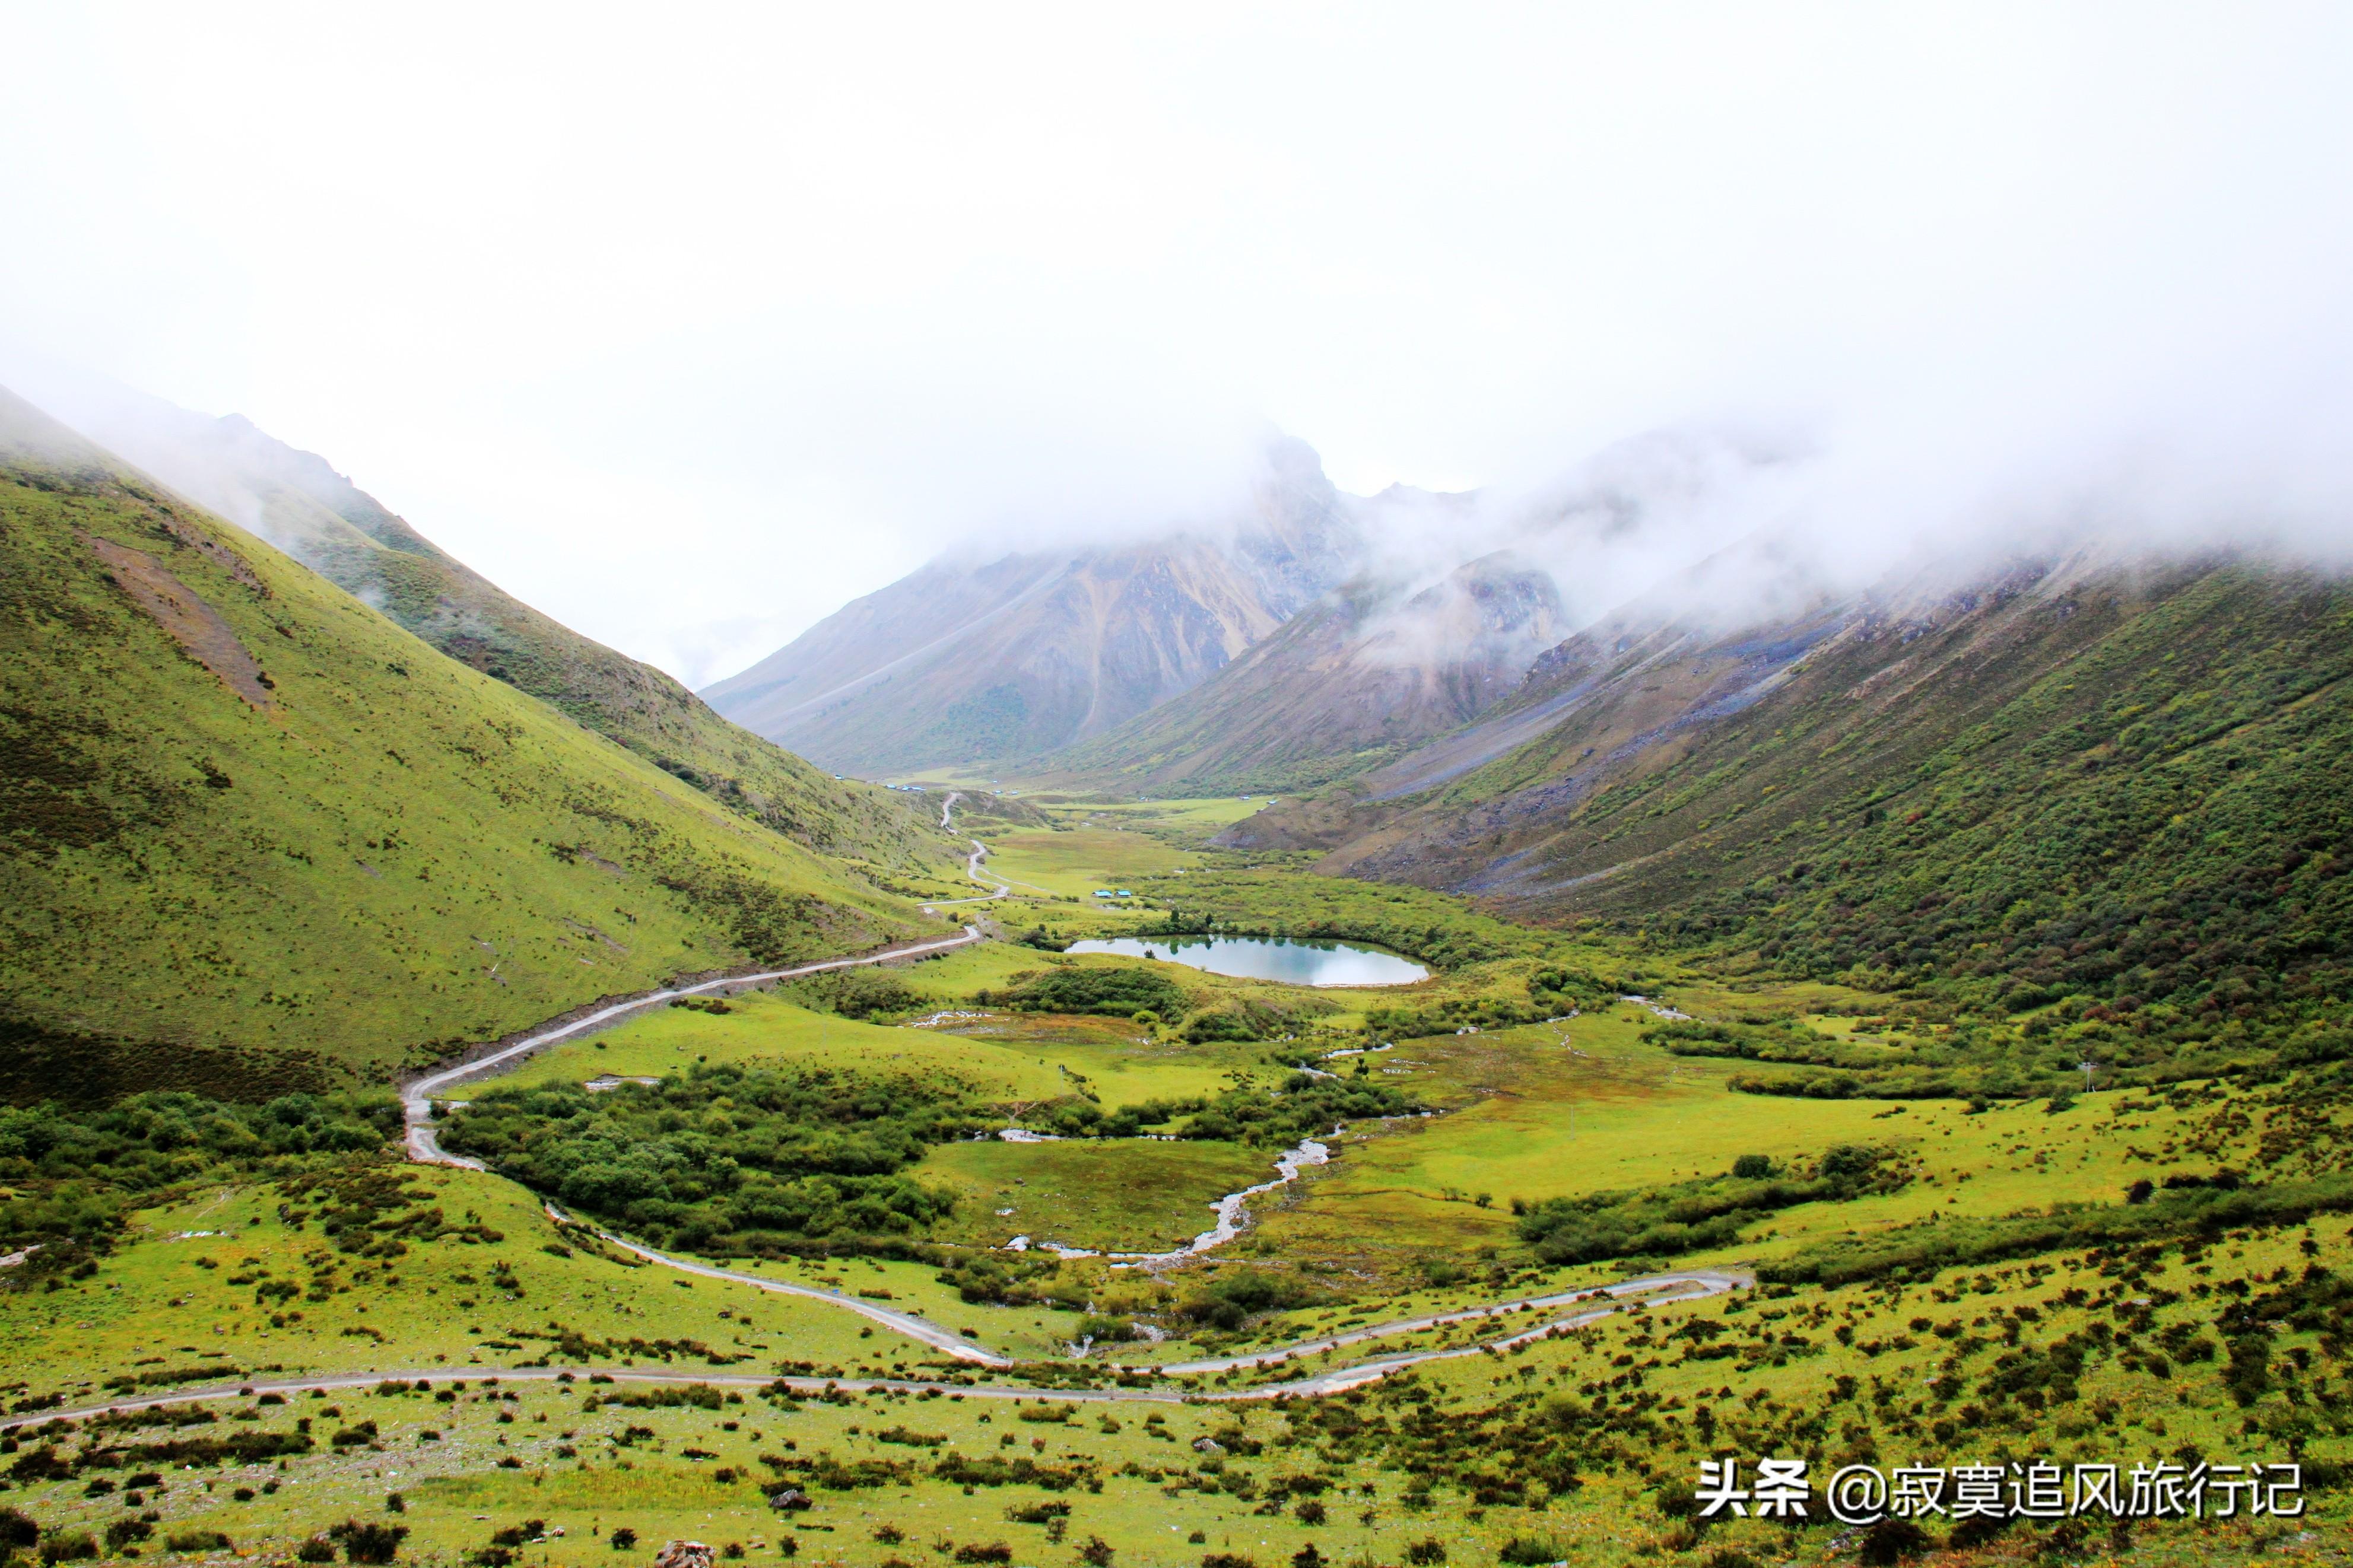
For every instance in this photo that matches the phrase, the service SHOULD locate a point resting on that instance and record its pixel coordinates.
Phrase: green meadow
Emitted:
(762, 1026)
(575, 1466)
(1124, 1196)
(2227, 1343)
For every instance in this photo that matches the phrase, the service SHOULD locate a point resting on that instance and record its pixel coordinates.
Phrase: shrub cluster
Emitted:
(767, 1158)
(1686, 1217)
(1118, 991)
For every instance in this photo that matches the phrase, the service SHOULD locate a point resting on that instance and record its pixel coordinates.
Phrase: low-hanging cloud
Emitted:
(689, 335)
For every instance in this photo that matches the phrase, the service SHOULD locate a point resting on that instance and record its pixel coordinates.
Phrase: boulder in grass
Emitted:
(789, 1499)
(685, 1554)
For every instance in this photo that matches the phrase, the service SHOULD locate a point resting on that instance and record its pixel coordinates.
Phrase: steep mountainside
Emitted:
(958, 664)
(1349, 683)
(299, 503)
(255, 835)
(2132, 781)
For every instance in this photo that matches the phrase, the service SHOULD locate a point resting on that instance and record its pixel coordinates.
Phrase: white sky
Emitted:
(689, 324)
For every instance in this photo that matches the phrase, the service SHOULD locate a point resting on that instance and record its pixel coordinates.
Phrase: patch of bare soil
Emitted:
(195, 626)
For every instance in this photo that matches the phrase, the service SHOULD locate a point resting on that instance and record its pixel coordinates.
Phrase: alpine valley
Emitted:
(1362, 1030)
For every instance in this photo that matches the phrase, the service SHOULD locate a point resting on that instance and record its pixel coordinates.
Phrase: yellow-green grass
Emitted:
(1530, 1120)
(1127, 1194)
(1011, 1057)
(157, 1294)
(768, 1029)
(1189, 824)
(163, 1301)
(1078, 862)
(455, 1493)
(383, 847)
(960, 971)
(1118, 1061)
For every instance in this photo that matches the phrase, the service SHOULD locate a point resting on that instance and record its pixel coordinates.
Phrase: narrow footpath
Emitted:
(998, 887)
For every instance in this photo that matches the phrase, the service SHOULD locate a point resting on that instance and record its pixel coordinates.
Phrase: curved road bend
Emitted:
(1701, 1283)
(999, 887)
(1711, 1284)
(1697, 1285)
(906, 1323)
(416, 1098)
(1691, 1285)
(971, 866)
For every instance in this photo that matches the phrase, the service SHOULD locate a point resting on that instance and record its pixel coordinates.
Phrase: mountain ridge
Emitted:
(255, 837)
(1364, 674)
(300, 503)
(2054, 762)
(1027, 652)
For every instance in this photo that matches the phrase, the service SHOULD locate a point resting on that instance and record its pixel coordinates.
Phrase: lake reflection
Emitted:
(1256, 958)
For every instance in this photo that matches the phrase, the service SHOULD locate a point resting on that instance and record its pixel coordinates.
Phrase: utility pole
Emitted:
(2088, 1066)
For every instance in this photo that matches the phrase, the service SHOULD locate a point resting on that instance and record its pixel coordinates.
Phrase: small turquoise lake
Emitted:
(1278, 959)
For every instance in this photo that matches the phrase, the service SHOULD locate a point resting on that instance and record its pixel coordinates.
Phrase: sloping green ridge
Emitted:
(386, 854)
(2165, 816)
(2141, 788)
(297, 499)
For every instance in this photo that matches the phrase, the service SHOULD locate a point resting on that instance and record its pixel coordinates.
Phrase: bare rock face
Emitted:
(685, 1554)
(998, 656)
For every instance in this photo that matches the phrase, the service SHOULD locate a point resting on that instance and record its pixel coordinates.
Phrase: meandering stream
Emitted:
(1233, 1209)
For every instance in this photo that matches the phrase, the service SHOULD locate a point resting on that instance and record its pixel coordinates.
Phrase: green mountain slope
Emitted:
(296, 500)
(254, 835)
(2129, 785)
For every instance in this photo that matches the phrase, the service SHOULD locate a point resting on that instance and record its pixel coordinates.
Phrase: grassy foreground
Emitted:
(2225, 1341)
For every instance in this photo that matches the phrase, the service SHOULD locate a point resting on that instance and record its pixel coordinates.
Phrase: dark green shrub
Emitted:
(368, 1541)
(1892, 1540)
(17, 1532)
(1117, 991)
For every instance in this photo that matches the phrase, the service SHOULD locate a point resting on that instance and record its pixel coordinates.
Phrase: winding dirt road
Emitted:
(1699, 1283)
(907, 1324)
(999, 887)
(417, 1098)
(417, 1105)
(1693, 1285)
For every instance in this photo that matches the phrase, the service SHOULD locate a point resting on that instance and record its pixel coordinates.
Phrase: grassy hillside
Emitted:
(2127, 788)
(252, 832)
(299, 503)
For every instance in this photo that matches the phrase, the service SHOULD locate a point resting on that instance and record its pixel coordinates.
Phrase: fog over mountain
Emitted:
(693, 336)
